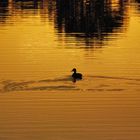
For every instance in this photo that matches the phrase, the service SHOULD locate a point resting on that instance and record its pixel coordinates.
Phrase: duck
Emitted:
(76, 75)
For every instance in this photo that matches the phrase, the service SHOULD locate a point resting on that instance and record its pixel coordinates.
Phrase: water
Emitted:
(41, 42)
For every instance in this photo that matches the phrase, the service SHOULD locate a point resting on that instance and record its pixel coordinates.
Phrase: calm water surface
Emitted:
(41, 41)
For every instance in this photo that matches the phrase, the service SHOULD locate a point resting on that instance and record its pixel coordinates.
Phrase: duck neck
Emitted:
(75, 71)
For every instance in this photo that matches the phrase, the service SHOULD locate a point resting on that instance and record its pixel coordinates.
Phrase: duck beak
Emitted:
(72, 70)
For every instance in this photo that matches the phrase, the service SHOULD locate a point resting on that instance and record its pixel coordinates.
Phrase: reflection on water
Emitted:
(83, 19)
(3, 10)
(89, 19)
(137, 4)
(41, 41)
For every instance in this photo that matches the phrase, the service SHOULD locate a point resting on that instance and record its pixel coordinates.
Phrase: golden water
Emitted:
(40, 43)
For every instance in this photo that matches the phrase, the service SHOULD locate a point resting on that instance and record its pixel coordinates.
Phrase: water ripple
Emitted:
(67, 84)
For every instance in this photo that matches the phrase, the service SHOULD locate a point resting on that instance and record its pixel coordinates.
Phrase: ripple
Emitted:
(111, 77)
(9, 85)
(66, 83)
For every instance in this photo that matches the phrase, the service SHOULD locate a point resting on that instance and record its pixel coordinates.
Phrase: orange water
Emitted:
(41, 42)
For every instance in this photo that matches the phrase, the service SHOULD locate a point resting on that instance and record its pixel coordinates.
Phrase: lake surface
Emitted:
(41, 42)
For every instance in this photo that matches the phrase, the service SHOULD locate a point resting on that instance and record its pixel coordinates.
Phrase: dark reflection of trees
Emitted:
(84, 19)
(3, 10)
(138, 6)
(48, 8)
(27, 4)
(89, 18)
(138, 1)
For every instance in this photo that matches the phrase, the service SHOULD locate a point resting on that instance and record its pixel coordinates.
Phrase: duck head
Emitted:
(74, 70)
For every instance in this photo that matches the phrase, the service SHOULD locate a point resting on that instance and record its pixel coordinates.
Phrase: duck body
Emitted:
(76, 75)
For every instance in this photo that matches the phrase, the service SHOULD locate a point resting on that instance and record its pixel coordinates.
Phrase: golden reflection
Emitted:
(41, 41)
(54, 30)
(96, 23)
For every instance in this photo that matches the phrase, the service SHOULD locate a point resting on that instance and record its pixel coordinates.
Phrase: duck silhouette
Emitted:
(76, 75)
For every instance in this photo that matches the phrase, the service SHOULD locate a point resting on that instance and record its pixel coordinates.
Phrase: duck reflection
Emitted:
(89, 18)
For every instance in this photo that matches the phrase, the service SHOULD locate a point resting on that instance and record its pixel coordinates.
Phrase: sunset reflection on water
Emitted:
(41, 41)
